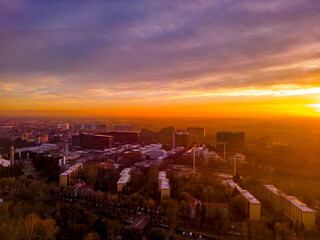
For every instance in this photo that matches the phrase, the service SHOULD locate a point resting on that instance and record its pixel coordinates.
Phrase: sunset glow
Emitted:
(162, 59)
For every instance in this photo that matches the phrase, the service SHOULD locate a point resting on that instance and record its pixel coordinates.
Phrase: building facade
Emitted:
(289, 206)
(250, 206)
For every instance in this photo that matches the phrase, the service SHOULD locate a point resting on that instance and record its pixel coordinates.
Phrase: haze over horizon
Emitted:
(171, 59)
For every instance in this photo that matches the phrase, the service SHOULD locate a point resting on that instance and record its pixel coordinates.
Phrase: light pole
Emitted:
(224, 149)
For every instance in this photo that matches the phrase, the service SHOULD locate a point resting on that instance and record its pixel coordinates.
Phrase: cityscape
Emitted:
(159, 120)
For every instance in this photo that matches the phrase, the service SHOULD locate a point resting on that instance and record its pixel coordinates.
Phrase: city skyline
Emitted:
(150, 59)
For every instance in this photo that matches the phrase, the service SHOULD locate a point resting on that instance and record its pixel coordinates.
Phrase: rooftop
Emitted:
(303, 207)
(165, 184)
(162, 175)
(244, 193)
(272, 189)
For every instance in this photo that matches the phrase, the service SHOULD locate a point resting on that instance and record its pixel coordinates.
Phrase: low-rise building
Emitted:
(4, 162)
(163, 185)
(237, 158)
(68, 177)
(212, 158)
(125, 177)
(250, 206)
(290, 206)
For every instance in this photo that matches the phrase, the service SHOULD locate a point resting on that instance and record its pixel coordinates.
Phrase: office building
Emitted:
(196, 135)
(95, 141)
(289, 206)
(124, 137)
(250, 206)
(125, 178)
(235, 141)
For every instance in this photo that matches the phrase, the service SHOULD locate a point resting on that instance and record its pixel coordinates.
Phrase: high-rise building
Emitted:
(197, 134)
(181, 139)
(235, 141)
(165, 135)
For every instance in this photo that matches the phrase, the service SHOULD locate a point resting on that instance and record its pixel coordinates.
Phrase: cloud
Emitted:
(64, 50)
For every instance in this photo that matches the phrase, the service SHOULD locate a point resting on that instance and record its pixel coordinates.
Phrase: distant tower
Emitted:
(12, 156)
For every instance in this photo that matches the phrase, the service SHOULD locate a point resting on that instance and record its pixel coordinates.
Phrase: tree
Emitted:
(100, 227)
(156, 234)
(92, 236)
(127, 233)
(32, 227)
(172, 212)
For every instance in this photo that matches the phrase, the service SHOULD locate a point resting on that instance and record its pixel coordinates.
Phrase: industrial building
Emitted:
(125, 177)
(95, 141)
(289, 206)
(68, 177)
(163, 185)
(251, 207)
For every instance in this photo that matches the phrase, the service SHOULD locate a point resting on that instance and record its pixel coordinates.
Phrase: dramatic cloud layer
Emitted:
(70, 54)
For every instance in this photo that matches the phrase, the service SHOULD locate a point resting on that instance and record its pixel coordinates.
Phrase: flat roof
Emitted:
(232, 183)
(125, 171)
(162, 175)
(272, 189)
(244, 193)
(165, 184)
(123, 179)
(303, 207)
(249, 196)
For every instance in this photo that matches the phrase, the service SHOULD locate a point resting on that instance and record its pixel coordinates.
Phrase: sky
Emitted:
(219, 58)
